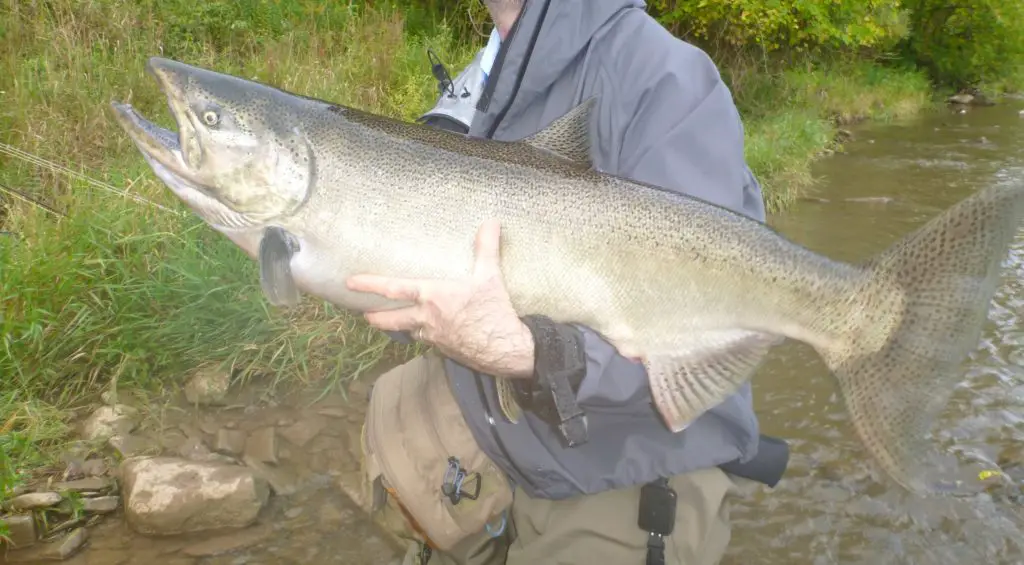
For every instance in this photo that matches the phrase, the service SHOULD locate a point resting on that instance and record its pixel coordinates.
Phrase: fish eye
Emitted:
(210, 117)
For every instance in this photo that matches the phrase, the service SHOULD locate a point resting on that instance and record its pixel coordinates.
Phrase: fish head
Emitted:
(238, 144)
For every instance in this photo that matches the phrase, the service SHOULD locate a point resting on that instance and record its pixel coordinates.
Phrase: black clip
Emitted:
(657, 517)
(440, 72)
(453, 479)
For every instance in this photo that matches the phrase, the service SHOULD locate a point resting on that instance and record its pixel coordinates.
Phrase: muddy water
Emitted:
(829, 508)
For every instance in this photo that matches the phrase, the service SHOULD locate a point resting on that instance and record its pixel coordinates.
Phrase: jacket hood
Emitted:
(566, 31)
(549, 37)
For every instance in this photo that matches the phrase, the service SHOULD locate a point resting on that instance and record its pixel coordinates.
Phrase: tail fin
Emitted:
(922, 312)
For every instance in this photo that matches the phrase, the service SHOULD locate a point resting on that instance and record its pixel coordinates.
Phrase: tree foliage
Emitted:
(785, 24)
(959, 42)
(963, 42)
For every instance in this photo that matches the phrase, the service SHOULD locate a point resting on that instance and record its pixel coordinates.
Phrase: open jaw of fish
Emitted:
(316, 191)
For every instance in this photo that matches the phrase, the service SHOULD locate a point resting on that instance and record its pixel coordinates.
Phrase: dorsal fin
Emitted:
(568, 136)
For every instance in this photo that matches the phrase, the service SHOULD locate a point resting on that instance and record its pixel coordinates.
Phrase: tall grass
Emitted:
(118, 292)
(105, 290)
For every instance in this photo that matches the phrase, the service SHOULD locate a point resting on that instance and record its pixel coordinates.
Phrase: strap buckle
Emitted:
(655, 549)
(572, 420)
(444, 80)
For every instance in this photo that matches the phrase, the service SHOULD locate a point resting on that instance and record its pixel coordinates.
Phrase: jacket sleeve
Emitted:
(667, 119)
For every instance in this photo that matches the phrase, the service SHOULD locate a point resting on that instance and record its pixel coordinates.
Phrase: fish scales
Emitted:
(316, 192)
(575, 244)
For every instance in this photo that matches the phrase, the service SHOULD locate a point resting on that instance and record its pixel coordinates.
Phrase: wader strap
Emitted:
(559, 367)
(655, 549)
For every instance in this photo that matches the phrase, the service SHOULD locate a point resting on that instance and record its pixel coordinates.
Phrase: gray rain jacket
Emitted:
(663, 117)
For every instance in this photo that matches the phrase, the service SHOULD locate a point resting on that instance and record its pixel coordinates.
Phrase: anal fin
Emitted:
(275, 255)
(711, 368)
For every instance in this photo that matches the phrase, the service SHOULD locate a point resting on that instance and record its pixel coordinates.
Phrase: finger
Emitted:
(388, 287)
(488, 246)
(401, 320)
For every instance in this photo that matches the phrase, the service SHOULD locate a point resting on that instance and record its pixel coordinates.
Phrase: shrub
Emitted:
(782, 24)
(964, 42)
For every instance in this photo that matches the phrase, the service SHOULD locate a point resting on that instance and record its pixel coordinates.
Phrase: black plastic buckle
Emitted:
(657, 516)
(454, 477)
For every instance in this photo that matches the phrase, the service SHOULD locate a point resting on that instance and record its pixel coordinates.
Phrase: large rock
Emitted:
(167, 496)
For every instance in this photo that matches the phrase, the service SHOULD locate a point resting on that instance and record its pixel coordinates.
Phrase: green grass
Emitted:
(119, 293)
(30, 431)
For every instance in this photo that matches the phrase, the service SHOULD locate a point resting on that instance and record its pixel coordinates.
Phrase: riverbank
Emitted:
(795, 116)
(104, 293)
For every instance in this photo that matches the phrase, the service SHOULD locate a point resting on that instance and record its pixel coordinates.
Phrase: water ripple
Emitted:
(833, 506)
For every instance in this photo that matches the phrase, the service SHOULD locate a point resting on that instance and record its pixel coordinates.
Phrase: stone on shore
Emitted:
(101, 504)
(58, 550)
(34, 501)
(168, 496)
(89, 484)
(109, 421)
(208, 386)
(21, 530)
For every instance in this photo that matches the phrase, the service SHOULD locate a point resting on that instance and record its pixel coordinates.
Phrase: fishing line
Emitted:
(26, 198)
(56, 167)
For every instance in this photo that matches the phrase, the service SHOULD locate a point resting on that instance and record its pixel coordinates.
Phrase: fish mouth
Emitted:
(173, 151)
(154, 141)
(161, 149)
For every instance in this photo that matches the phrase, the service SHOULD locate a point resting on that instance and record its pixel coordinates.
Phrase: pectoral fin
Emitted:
(713, 367)
(276, 250)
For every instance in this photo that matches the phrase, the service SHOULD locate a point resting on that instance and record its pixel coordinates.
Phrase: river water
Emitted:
(829, 508)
